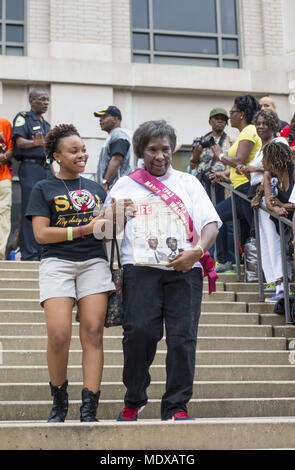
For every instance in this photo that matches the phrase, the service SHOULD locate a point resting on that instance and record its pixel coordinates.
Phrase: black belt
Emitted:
(40, 161)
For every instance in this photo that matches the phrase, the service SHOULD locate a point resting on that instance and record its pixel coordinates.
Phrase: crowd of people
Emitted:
(64, 217)
(259, 164)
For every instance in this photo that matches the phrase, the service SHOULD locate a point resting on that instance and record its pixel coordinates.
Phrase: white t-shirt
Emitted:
(257, 177)
(184, 185)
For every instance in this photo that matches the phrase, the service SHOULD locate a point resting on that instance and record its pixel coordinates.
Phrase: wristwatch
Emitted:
(104, 181)
(221, 156)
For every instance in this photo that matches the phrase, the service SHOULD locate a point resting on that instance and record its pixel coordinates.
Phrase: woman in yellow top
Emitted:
(241, 152)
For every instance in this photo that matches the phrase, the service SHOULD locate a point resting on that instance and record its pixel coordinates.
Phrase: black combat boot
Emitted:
(89, 406)
(60, 403)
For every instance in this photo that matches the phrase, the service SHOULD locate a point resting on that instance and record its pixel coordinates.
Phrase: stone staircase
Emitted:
(244, 394)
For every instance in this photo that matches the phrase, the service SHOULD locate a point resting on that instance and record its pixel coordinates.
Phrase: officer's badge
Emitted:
(20, 121)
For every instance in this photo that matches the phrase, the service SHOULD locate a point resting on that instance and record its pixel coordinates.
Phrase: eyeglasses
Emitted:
(232, 111)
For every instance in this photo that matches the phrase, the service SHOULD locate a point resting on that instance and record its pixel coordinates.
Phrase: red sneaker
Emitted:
(129, 414)
(180, 416)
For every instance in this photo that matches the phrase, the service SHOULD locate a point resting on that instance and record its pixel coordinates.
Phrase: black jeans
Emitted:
(151, 297)
(224, 210)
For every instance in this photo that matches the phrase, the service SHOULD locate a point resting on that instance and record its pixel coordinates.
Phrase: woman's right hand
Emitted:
(218, 176)
(280, 211)
(196, 153)
(97, 224)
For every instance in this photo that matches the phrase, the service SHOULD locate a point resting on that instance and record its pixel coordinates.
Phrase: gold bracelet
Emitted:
(199, 246)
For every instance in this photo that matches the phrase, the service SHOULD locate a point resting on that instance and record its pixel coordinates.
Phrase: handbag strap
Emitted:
(115, 247)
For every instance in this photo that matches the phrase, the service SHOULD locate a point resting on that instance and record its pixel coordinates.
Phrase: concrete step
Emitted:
(39, 329)
(249, 296)
(207, 306)
(260, 307)
(201, 408)
(19, 265)
(240, 287)
(113, 342)
(114, 357)
(113, 373)
(232, 307)
(9, 273)
(33, 283)
(227, 278)
(19, 283)
(287, 331)
(26, 316)
(271, 319)
(40, 391)
(202, 434)
(33, 294)
(14, 293)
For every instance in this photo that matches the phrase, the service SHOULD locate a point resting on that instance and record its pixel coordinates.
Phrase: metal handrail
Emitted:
(282, 221)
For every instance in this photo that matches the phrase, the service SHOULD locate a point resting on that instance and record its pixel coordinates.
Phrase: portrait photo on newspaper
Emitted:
(158, 234)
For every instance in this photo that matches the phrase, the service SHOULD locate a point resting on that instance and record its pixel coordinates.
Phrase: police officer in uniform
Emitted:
(28, 135)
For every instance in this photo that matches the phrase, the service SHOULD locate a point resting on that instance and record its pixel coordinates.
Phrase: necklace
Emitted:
(76, 206)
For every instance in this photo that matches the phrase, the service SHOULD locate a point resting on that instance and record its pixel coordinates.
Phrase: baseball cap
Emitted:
(113, 110)
(216, 111)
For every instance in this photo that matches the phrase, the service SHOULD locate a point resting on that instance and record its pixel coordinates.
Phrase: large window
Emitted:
(193, 32)
(12, 27)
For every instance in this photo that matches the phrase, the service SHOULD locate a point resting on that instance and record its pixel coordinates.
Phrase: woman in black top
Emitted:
(73, 268)
(278, 163)
(279, 177)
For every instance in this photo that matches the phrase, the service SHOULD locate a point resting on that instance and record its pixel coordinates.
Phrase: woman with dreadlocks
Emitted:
(279, 177)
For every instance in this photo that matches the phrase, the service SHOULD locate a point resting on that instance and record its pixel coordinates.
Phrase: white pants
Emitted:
(5, 214)
(270, 244)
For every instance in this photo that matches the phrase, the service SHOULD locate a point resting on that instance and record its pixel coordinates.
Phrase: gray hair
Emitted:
(151, 130)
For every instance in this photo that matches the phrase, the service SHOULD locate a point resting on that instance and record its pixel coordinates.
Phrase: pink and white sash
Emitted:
(144, 178)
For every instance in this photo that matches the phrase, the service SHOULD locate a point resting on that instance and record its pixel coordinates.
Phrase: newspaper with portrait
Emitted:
(158, 234)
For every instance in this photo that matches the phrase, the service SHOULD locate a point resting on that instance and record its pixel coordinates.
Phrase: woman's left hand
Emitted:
(274, 201)
(185, 260)
(217, 150)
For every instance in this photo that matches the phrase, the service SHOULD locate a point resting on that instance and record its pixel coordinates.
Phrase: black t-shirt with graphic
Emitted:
(50, 198)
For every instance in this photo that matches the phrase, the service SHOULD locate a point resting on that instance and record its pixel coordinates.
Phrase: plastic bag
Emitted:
(250, 261)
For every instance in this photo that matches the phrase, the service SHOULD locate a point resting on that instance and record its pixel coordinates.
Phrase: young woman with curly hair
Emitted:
(73, 268)
(280, 173)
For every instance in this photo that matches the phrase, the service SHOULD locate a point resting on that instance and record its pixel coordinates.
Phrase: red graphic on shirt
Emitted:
(82, 199)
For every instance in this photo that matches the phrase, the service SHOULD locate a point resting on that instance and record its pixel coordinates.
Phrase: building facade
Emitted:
(153, 59)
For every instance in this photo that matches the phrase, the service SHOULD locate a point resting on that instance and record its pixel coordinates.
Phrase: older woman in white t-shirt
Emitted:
(170, 294)
(266, 122)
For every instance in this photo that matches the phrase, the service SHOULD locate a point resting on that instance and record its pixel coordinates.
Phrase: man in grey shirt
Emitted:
(115, 156)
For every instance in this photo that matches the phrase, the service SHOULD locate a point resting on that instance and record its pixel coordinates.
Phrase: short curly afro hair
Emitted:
(270, 117)
(55, 135)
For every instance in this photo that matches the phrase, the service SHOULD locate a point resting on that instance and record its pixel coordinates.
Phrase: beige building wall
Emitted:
(80, 51)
